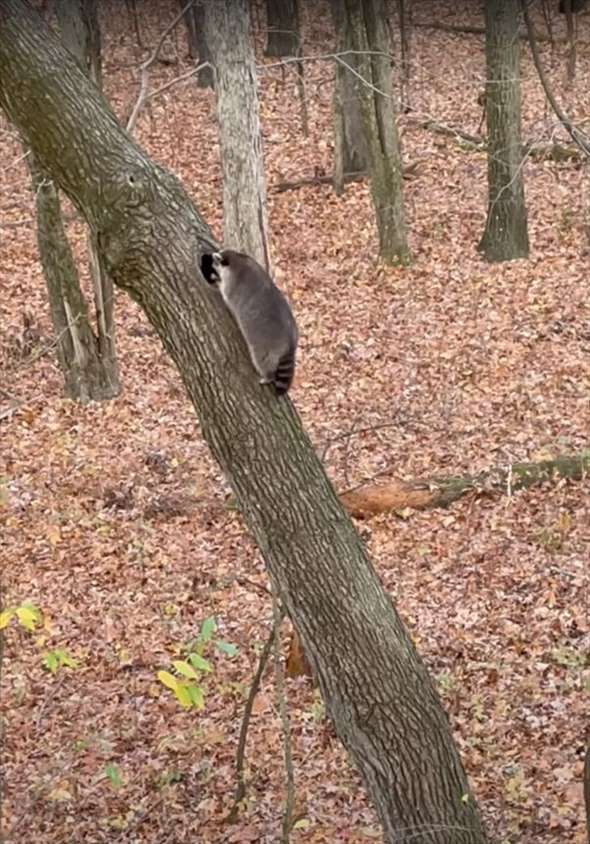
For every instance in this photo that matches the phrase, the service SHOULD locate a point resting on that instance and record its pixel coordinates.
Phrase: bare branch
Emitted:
(578, 137)
(145, 67)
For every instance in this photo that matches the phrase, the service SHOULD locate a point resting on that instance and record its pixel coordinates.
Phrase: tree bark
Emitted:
(505, 235)
(350, 145)
(88, 362)
(88, 375)
(368, 22)
(198, 49)
(282, 20)
(376, 688)
(370, 499)
(80, 31)
(240, 139)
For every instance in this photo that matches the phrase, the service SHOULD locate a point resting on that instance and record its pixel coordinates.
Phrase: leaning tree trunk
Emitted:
(350, 145)
(376, 688)
(244, 192)
(506, 234)
(368, 22)
(282, 20)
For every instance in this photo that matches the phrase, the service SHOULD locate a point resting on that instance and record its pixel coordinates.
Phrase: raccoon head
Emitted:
(209, 269)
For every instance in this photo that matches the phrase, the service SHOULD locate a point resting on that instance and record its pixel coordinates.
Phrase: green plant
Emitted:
(30, 618)
(186, 682)
(27, 615)
(52, 660)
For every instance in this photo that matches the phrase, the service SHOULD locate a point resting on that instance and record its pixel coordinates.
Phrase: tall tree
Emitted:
(370, 36)
(282, 20)
(505, 235)
(227, 29)
(350, 145)
(376, 688)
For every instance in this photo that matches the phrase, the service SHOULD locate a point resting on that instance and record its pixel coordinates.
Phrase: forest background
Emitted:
(117, 524)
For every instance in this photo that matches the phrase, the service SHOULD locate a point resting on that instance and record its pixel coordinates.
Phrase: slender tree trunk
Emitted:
(368, 22)
(376, 688)
(405, 31)
(89, 363)
(244, 190)
(350, 145)
(506, 234)
(88, 375)
(282, 18)
(80, 31)
(198, 48)
(571, 38)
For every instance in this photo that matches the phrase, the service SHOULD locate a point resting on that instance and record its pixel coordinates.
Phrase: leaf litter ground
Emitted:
(115, 519)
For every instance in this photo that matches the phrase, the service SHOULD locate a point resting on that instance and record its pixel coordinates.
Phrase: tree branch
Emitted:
(578, 137)
(142, 96)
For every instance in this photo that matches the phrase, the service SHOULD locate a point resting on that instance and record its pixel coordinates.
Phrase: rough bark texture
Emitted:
(506, 235)
(87, 374)
(376, 688)
(368, 22)
(282, 21)
(244, 191)
(370, 499)
(198, 48)
(350, 145)
(80, 31)
(88, 363)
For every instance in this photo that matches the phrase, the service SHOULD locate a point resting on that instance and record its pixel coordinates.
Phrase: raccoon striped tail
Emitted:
(283, 377)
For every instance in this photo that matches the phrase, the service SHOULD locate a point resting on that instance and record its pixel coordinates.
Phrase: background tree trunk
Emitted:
(368, 22)
(405, 31)
(506, 235)
(376, 688)
(350, 145)
(240, 140)
(88, 375)
(282, 20)
(198, 48)
(88, 362)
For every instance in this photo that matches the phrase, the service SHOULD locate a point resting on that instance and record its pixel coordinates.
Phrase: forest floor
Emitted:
(115, 520)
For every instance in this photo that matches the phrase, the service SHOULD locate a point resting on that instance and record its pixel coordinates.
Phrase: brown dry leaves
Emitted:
(115, 520)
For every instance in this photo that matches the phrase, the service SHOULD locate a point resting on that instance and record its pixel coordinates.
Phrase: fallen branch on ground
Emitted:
(370, 499)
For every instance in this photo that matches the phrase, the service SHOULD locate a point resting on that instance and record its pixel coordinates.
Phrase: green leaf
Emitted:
(113, 774)
(5, 617)
(198, 662)
(208, 628)
(28, 616)
(302, 823)
(67, 660)
(226, 647)
(183, 696)
(168, 680)
(51, 662)
(196, 695)
(185, 669)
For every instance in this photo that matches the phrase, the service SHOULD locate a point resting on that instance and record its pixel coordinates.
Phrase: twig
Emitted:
(284, 717)
(240, 753)
(145, 66)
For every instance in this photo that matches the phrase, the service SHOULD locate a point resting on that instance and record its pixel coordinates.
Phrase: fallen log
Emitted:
(371, 499)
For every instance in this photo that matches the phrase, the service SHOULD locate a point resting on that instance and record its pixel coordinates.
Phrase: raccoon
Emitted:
(261, 311)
